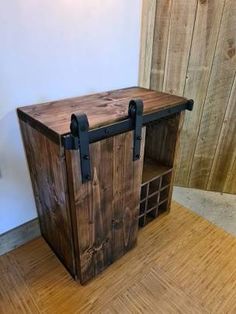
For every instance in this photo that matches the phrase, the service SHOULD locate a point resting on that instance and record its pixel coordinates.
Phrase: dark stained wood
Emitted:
(90, 225)
(153, 169)
(157, 180)
(161, 137)
(101, 109)
(106, 208)
(47, 167)
(155, 191)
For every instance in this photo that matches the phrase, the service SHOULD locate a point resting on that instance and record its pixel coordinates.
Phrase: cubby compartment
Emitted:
(166, 179)
(154, 186)
(143, 194)
(157, 191)
(152, 202)
(164, 194)
(159, 153)
(162, 207)
(142, 208)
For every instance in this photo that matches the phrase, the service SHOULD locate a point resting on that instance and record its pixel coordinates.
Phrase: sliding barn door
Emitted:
(105, 209)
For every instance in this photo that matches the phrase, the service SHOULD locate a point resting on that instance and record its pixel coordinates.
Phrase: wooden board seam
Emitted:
(204, 102)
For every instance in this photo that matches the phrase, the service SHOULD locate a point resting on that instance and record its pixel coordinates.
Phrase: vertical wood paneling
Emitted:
(147, 32)
(218, 94)
(204, 41)
(223, 164)
(179, 42)
(230, 183)
(160, 41)
(196, 41)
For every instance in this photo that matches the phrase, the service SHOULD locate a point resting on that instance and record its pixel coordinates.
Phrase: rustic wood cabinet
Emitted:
(101, 166)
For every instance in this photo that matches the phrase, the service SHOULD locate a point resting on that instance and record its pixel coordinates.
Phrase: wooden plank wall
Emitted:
(189, 48)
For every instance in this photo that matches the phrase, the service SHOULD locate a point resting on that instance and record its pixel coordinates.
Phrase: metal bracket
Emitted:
(190, 104)
(134, 121)
(136, 114)
(79, 129)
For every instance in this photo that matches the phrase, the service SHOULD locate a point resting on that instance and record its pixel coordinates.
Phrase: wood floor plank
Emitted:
(15, 296)
(182, 264)
(155, 291)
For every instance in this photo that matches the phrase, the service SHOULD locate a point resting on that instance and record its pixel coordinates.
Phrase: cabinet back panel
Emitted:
(161, 137)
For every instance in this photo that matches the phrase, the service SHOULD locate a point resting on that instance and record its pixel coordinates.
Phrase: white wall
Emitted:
(52, 50)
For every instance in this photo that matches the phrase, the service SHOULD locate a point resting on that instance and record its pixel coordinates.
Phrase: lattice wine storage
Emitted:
(157, 169)
(154, 193)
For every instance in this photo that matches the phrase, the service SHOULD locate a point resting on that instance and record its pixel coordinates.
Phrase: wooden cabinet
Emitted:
(101, 166)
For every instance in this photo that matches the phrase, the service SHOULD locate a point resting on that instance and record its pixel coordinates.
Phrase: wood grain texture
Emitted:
(161, 137)
(226, 143)
(90, 225)
(47, 167)
(179, 43)
(107, 206)
(217, 98)
(160, 150)
(160, 43)
(101, 109)
(153, 169)
(147, 33)
(19, 236)
(231, 178)
(199, 64)
(204, 40)
(182, 264)
(150, 296)
(15, 296)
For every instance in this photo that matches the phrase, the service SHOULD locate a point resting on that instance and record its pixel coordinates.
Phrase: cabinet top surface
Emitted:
(101, 108)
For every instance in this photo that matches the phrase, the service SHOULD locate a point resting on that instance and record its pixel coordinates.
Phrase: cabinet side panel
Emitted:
(47, 168)
(107, 206)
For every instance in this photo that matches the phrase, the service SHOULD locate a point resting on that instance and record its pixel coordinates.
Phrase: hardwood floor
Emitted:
(182, 264)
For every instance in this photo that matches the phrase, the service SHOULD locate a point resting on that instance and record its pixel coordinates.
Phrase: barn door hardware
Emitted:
(136, 114)
(80, 136)
(132, 121)
(79, 129)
